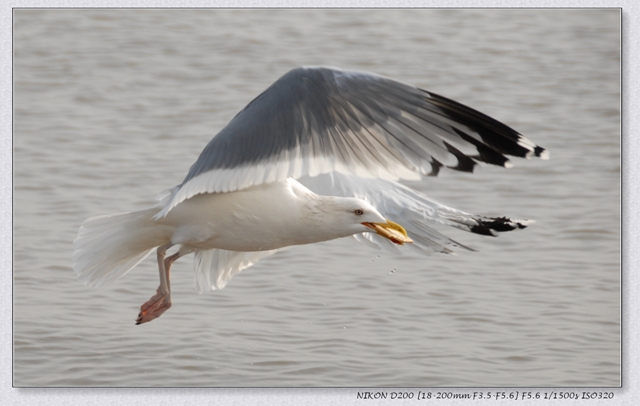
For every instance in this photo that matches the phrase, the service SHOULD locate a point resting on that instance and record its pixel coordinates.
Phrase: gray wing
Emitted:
(319, 120)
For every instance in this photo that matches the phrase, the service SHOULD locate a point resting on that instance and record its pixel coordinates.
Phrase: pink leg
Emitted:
(161, 301)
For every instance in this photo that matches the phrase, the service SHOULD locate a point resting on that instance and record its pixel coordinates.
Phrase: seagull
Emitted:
(316, 156)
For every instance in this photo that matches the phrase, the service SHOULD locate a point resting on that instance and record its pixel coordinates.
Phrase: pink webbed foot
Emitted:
(154, 307)
(161, 301)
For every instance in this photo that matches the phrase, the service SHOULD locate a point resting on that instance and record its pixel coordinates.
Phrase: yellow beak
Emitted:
(391, 231)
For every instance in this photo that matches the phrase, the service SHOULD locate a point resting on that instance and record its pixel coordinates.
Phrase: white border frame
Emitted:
(628, 395)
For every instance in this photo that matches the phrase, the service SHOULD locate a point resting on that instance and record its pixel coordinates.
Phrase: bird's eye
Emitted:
(359, 212)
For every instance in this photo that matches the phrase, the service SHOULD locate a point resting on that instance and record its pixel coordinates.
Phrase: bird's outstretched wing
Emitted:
(319, 120)
(416, 212)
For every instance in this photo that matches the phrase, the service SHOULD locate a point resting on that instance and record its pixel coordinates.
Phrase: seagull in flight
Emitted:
(315, 157)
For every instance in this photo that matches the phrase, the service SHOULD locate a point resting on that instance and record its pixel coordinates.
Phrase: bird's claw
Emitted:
(154, 307)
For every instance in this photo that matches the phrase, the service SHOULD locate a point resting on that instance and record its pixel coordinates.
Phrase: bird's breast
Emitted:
(260, 218)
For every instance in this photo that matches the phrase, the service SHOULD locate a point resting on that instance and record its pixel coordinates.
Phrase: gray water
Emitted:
(113, 106)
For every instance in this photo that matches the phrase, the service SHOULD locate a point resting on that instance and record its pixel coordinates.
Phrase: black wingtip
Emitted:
(487, 226)
(541, 152)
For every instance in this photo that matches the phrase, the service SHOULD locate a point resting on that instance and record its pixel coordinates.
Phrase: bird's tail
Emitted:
(107, 247)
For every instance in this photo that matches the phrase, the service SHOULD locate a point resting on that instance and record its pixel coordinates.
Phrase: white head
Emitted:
(344, 216)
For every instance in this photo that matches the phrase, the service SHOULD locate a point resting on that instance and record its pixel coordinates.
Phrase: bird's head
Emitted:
(358, 216)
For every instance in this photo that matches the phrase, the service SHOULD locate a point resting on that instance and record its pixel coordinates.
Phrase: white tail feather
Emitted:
(214, 268)
(107, 247)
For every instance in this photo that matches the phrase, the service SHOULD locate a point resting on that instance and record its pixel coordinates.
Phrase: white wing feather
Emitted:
(412, 209)
(214, 268)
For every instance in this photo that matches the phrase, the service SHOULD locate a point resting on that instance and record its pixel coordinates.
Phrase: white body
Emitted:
(264, 217)
(227, 232)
